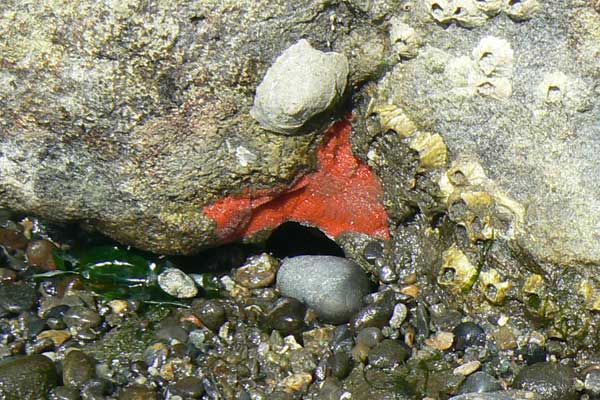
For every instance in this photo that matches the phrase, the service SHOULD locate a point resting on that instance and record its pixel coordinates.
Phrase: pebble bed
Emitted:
(59, 340)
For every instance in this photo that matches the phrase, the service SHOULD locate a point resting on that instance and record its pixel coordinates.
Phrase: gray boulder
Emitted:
(301, 84)
(333, 286)
(131, 119)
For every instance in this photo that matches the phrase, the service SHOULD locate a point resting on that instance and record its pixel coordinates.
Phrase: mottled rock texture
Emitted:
(516, 91)
(131, 116)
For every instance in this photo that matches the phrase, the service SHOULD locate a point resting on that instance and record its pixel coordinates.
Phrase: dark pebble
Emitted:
(341, 364)
(29, 377)
(373, 251)
(388, 354)
(39, 346)
(480, 382)
(39, 254)
(7, 275)
(82, 317)
(533, 353)
(64, 393)
(189, 388)
(286, 316)
(87, 335)
(31, 323)
(387, 274)
(369, 336)
(12, 238)
(57, 312)
(550, 380)
(171, 332)
(96, 389)
(377, 314)
(211, 313)
(17, 298)
(467, 334)
(330, 391)
(78, 368)
(138, 392)
(343, 339)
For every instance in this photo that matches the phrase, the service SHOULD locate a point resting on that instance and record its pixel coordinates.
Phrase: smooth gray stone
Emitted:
(333, 286)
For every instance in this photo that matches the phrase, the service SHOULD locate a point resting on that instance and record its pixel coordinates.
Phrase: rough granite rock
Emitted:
(131, 116)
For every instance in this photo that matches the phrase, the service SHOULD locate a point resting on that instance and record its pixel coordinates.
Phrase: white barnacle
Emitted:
(403, 38)
(494, 56)
(466, 13)
(520, 10)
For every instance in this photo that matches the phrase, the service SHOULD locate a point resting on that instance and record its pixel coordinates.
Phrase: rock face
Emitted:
(132, 117)
(526, 116)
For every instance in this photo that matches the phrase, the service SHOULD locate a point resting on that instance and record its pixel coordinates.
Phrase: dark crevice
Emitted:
(292, 239)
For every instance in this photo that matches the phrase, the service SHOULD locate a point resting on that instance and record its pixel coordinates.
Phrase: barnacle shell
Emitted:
(457, 273)
(404, 39)
(393, 117)
(534, 295)
(490, 7)
(493, 287)
(432, 149)
(464, 12)
(494, 56)
(520, 10)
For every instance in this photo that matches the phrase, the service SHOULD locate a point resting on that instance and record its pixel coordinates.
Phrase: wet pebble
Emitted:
(78, 368)
(82, 317)
(64, 393)
(171, 331)
(39, 254)
(96, 389)
(189, 387)
(138, 392)
(373, 251)
(7, 275)
(388, 354)
(333, 286)
(398, 315)
(370, 337)
(551, 381)
(286, 316)
(480, 382)
(467, 334)
(28, 377)
(211, 313)
(177, 283)
(258, 272)
(533, 353)
(387, 274)
(340, 364)
(376, 314)
(592, 384)
(16, 298)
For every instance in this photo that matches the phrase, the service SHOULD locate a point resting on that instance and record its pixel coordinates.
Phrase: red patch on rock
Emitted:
(343, 194)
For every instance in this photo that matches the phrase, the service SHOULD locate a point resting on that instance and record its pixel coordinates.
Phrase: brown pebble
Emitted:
(441, 341)
(12, 239)
(467, 368)
(505, 339)
(296, 382)
(39, 254)
(410, 290)
(7, 275)
(58, 337)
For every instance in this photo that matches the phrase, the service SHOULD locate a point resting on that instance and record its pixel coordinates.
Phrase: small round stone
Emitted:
(592, 383)
(78, 368)
(333, 286)
(39, 254)
(138, 392)
(211, 313)
(82, 317)
(398, 315)
(373, 251)
(16, 298)
(286, 316)
(441, 340)
(533, 353)
(177, 283)
(96, 388)
(28, 377)
(480, 382)
(370, 336)
(388, 354)
(189, 387)
(258, 272)
(171, 331)
(467, 334)
(550, 380)
(387, 274)
(340, 364)
(64, 393)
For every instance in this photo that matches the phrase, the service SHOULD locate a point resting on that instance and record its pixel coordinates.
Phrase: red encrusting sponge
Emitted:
(343, 194)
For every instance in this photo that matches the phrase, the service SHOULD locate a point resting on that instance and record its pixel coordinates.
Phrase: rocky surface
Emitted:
(133, 117)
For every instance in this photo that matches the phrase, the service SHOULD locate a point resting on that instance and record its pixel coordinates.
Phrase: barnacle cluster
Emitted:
(404, 39)
(433, 152)
(475, 203)
(473, 13)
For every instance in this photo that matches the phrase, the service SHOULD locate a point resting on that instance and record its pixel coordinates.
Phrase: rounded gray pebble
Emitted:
(332, 286)
(301, 84)
(551, 381)
(177, 283)
(480, 382)
(81, 317)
